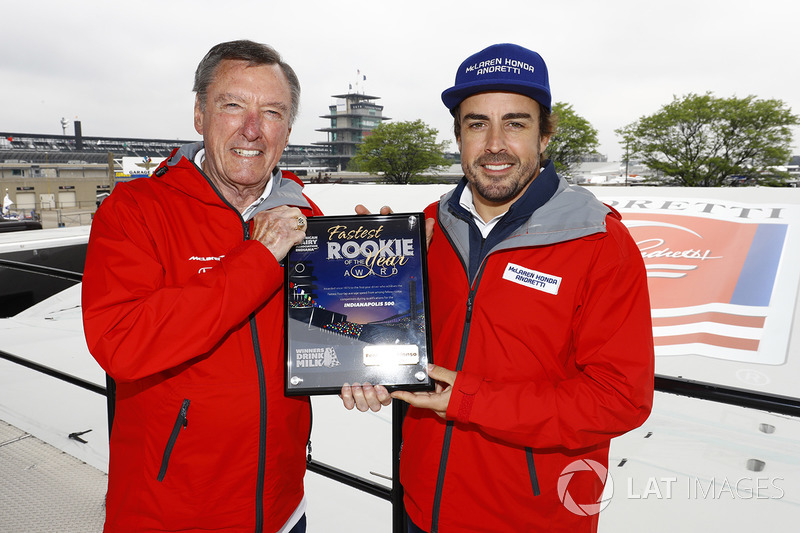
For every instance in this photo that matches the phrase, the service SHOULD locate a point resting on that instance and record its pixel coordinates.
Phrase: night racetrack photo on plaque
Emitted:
(357, 305)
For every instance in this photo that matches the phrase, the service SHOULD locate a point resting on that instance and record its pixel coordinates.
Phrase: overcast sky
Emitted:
(126, 68)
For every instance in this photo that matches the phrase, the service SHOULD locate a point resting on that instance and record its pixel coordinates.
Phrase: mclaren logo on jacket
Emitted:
(203, 270)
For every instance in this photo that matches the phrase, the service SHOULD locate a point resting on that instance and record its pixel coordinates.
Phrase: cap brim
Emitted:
(453, 96)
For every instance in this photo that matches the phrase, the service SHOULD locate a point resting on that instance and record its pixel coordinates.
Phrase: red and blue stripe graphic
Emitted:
(711, 281)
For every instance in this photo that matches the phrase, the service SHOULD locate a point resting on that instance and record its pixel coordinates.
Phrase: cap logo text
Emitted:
(499, 64)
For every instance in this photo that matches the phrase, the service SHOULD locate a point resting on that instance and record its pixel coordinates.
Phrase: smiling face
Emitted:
(500, 148)
(245, 127)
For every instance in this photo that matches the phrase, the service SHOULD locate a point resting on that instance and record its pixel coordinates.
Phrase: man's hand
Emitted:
(365, 397)
(429, 223)
(362, 210)
(438, 399)
(279, 229)
(386, 210)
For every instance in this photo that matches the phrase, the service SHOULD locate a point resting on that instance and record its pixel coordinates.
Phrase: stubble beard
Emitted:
(500, 190)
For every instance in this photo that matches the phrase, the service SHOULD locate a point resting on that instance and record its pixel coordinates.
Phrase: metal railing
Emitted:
(42, 270)
(774, 403)
(683, 387)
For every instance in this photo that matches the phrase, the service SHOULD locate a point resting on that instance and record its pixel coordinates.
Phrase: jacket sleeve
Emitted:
(136, 324)
(612, 344)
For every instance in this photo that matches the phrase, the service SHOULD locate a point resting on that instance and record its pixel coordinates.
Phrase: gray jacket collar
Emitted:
(573, 212)
(284, 192)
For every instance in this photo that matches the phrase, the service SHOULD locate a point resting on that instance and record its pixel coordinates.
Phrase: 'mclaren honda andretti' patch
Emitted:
(531, 278)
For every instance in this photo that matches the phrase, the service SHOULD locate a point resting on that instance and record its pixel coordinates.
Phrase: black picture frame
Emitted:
(357, 307)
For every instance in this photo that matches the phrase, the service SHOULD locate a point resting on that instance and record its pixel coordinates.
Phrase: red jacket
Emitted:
(186, 314)
(553, 344)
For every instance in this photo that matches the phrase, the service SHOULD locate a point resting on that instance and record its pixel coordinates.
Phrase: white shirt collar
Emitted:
(247, 214)
(467, 201)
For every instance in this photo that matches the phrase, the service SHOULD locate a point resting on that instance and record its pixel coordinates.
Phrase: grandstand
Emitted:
(44, 149)
(36, 148)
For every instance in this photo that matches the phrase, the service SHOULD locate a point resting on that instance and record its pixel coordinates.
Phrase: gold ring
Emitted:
(301, 222)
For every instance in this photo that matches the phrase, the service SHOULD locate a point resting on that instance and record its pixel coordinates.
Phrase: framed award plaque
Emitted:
(357, 305)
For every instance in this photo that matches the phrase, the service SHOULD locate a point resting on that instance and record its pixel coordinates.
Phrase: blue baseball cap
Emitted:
(500, 67)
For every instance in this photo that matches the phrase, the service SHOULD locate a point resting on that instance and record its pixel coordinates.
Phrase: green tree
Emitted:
(705, 141)
(574, 137)
(400, 151)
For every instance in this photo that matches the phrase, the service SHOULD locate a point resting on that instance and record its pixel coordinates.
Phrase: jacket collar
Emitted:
(284, 191)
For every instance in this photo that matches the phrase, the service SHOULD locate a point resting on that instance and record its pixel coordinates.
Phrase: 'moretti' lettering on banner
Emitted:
(531, 278)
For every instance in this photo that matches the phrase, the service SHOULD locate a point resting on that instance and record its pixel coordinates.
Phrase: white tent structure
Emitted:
(721, 450)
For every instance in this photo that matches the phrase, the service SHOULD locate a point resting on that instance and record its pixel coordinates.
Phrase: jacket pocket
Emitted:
(180, 423)
(532, 471)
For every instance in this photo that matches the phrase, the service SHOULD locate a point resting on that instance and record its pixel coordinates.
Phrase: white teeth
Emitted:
(246, 153)
(497, 167)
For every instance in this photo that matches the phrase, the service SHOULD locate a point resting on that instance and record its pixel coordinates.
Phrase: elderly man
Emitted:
(183, 307)
(541, 325)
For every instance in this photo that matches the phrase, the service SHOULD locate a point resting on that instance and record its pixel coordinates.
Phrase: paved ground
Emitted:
(43, 489)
